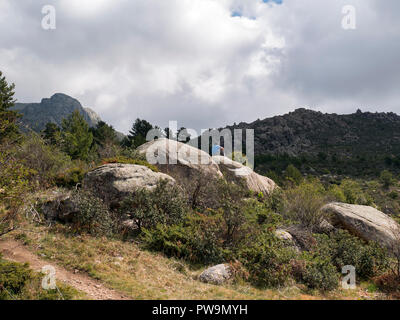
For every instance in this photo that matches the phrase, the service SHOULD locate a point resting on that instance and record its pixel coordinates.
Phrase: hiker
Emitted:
(217, 150)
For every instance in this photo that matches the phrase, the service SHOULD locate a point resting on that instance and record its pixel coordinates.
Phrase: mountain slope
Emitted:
(311, 132)
(362, 143)
(36, 115)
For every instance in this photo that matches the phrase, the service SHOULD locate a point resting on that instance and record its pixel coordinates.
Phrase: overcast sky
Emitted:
(204, 63)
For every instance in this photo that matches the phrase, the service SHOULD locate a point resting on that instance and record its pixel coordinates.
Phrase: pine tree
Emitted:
(8, 118)
(76, 135)
(137, 135)
(52, 134)
(104, 134)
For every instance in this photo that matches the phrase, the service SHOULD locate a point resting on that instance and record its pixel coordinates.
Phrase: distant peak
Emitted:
(61, 96)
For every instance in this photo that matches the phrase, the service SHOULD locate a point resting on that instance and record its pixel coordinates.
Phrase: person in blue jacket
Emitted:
(217, 150)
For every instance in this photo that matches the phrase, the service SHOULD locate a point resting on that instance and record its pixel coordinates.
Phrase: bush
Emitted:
(268, 261)
(163, 205)
(303, 204)
(293, 175)
(71, 177)
(393, 195)
(259, 214)
(14, 185)
(321, 274)
(354, 194)
(13, 278)
(46, 160)
(197, 240)
(93, 216)
(18, 281)
(344, 249)
(386, 178)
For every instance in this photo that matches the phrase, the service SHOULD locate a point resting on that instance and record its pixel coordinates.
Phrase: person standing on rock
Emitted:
(217, 150)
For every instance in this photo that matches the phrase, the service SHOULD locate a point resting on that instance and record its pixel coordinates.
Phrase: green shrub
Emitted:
(71, 177)
(393, 195)
(354, 194)
(163, 205)
(386, 177)
(321, 274)
(197, 240)
(303, 204)
(45, 160)
(293, 175)
(259, 214)
(93, 216)
(267, 260)
(18, 281)
(14, 185)
(344, 249)
(13, 278)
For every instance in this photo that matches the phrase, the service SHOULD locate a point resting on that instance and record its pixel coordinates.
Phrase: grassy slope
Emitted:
(144, 275)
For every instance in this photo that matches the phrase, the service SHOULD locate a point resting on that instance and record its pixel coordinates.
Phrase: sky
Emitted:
(204, 63)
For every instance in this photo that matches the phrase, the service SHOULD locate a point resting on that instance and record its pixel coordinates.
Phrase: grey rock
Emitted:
(218, 274)
(365, 222)
(287, 237)
(325, 227)
(237, 172)
(113, 182)
(61, 207)
(180, 160)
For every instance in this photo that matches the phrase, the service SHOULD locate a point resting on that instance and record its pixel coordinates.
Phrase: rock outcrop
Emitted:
(218, 274)
(112, 182)
(60, 206)
(288, 238)
(366, 222)
(179, 160)
(237, 172)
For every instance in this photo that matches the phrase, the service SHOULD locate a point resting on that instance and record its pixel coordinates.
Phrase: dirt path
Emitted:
(14, 251)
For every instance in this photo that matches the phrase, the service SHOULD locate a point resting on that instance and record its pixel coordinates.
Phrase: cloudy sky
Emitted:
(204, 63)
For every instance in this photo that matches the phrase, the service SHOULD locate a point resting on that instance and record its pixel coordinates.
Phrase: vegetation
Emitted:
(183, 228)
(137, 135)
(77, 138)
(19, 282)
(163, 205)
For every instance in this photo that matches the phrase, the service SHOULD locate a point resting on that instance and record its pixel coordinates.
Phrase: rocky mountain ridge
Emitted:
(59, 106)
(312, 132)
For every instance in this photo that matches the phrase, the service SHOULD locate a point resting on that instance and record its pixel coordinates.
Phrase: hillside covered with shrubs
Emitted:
(268, 240)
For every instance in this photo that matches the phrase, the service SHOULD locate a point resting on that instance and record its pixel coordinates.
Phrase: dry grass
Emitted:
(144, 275)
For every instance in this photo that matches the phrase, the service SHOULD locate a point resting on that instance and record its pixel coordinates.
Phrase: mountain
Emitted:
(362, 142)
(308, 131)
(36, 115)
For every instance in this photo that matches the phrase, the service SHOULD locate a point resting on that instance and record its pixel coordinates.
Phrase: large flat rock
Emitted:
(113, 182)
(366, 222)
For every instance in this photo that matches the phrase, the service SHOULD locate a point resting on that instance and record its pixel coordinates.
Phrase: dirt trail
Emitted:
(15, 251)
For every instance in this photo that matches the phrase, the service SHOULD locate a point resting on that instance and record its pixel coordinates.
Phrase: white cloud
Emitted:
(191, 61)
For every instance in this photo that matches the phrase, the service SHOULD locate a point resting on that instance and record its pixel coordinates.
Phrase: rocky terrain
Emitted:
(310, 132)
(59, 106)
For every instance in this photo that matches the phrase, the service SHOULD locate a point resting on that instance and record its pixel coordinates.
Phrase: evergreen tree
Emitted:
(52, 134)
(8, 118)
(137, 135)
(104, 134)
(76, 135)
